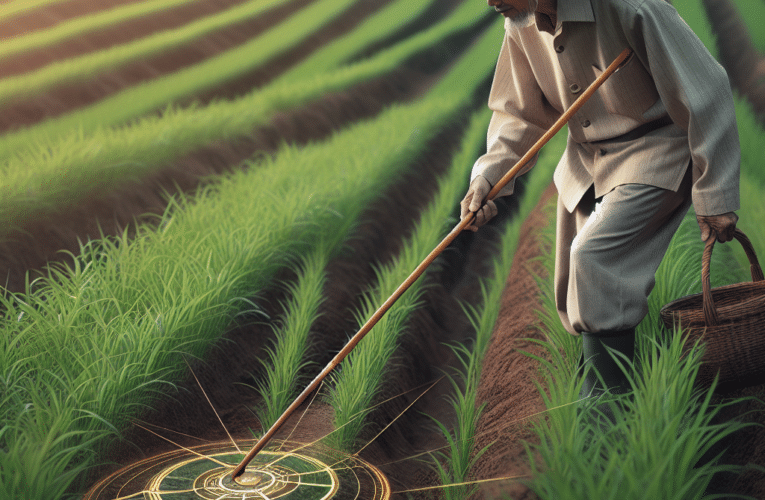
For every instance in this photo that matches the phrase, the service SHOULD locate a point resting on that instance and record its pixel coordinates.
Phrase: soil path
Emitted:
(507, 382)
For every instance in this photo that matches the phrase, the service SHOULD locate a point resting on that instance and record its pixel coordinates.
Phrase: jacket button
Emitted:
(586, 123)
(559, 49)
(575, 88)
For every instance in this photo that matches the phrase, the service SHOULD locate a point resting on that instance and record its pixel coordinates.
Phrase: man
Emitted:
(659, 134)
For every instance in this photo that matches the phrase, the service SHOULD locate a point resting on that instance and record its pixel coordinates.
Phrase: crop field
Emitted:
(201, 201)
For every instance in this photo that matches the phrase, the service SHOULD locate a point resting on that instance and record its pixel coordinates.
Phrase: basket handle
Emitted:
(710, 312)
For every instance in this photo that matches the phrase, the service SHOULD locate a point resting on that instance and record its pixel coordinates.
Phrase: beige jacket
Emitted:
(669, 104)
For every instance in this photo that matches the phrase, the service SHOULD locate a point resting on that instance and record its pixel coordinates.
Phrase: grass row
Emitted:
(58, 172)
(106, 336)
(82, 25)
(100, 338)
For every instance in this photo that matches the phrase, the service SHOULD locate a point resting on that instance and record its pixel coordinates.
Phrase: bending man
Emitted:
(659, 135)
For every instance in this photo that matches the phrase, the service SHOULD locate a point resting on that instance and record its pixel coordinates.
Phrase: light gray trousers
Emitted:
(608, 251)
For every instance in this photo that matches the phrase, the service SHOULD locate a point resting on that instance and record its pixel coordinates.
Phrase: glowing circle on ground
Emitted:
(288, 471)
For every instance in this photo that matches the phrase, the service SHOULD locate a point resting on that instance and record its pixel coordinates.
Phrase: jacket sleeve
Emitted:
(696, 93)
(521, 115)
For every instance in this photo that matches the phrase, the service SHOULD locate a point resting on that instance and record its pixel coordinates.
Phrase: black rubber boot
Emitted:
(602, 373)
(595, 354)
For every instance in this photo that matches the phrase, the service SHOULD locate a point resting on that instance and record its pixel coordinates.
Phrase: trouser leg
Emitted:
(607, 256)
(606, 266)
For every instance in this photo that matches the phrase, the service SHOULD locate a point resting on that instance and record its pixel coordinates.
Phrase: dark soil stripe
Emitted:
(114, 35)
(70, 97)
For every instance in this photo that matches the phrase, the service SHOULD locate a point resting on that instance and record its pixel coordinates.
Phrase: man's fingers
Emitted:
(704, 232)
(722, 226)
(485, 213)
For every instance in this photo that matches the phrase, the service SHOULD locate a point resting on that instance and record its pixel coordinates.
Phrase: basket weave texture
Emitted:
(729, 320)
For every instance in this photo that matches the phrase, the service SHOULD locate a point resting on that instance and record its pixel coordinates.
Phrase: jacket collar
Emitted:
(575, 10)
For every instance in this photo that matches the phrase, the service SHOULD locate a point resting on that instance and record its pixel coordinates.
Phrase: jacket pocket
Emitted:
(630, 91)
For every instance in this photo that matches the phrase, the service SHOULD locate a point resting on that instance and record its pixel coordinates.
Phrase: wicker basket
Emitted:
(730, 320)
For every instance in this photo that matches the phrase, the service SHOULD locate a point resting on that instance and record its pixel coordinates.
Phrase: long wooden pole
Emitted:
(372, 321)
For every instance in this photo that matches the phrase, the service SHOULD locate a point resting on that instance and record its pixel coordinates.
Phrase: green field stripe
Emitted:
(51, 176)
(157, 93)
(80, 68)
(82, 25)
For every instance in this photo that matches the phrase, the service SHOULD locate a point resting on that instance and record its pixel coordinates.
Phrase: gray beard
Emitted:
(522, 20)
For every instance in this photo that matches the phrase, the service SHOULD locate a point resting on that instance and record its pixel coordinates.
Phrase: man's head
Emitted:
(519, 12)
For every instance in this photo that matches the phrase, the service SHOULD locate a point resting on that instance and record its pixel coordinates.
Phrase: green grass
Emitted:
(287, 358)
(753, 14)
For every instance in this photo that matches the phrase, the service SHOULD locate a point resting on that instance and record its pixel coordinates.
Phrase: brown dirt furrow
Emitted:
(113, 35)
(51, 15)
(69, 97)
(738, 55)
(507, 381)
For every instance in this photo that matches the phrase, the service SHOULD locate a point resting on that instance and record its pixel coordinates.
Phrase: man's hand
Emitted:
(474, 202)
(722, 225)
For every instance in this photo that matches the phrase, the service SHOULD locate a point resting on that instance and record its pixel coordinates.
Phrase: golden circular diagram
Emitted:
(286, 471)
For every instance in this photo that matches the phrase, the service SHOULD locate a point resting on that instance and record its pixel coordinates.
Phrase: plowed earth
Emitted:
(228, 372)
